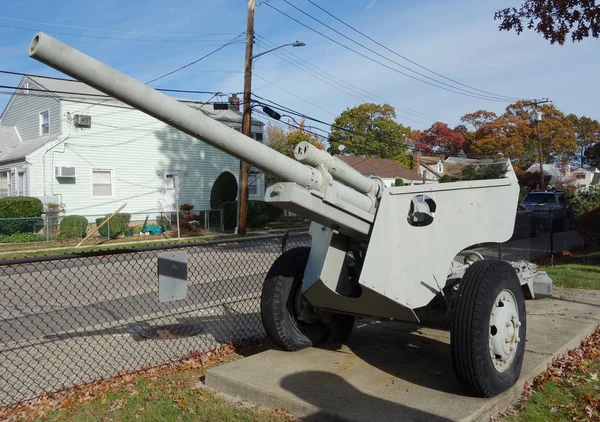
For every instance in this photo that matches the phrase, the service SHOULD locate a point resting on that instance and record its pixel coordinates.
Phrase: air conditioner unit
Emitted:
(61, 171)
(82, 120)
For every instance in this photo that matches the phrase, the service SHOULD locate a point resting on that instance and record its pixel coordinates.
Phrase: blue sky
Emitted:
(458, 39)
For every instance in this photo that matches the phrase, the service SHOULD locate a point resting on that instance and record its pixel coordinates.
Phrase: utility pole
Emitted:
(246, 119)
(538, 117)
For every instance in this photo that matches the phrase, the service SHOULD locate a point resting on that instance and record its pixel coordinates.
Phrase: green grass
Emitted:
(166, 398)
(565, 399)
(580, 270)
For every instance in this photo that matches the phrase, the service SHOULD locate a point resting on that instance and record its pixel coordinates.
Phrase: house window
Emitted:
(3, 184)
(252, 184)
(26, 87)
(102, 183)
(44, 123)
(21, 184)
(440, 167)
(580, 176)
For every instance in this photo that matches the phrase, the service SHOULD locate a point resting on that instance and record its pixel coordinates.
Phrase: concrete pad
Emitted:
(396, 371)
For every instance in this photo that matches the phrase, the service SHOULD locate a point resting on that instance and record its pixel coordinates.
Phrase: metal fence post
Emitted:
(221, 217)
(47, 229)
(552, 237)
(108, 230)
(284, 242)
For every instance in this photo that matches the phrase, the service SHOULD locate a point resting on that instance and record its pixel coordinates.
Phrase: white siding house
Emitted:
(121, 156)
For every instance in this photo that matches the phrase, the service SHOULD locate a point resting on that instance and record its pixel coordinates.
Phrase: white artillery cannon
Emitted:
(376, 251)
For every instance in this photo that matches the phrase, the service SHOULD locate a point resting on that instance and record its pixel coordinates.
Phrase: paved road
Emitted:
(71, 321)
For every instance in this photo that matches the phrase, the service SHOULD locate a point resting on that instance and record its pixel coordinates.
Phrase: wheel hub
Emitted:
(504, 330)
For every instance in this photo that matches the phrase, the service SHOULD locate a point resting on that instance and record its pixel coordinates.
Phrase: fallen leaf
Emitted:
(115, 406)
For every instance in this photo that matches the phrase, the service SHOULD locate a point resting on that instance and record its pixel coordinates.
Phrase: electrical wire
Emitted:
(292, 94)
(464, 93)
(310, 68)
(110, 30)
(195, 61)
(20, 28)
(406, 58)
(391, 142)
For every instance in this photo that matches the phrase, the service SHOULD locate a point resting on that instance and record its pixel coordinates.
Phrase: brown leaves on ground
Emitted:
(40, 406)
(575, 360)
(568, 369)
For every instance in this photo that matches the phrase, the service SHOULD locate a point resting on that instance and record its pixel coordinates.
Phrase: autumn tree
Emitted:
(492, 135)
(556, 131)
(587, 132)
(285, 140)
(553, 19)
(439, 137)
(370, 130)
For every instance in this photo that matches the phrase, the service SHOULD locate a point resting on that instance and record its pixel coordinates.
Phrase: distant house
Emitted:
(387, 169)
(70, 144)
(434, 168)
(580, 177)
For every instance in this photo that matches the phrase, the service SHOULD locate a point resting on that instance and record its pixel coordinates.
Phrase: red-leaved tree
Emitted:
(440, 138)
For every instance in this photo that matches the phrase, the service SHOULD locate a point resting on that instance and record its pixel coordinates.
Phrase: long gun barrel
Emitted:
(78, 65)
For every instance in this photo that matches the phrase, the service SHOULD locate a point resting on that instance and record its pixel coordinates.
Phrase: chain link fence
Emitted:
(70, 319)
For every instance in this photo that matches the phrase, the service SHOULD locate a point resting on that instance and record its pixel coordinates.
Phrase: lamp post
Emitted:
(246, 117)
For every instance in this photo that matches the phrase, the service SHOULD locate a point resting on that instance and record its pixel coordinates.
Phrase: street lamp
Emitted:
(246, 117)
(294, 44)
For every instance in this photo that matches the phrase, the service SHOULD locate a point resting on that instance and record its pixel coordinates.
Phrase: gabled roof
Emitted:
(74, 90)
(10, 135)
(382, 167)
(27, 148)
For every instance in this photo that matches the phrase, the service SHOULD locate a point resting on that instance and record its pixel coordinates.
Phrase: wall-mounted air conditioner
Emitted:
(62, 171)
(82, 120)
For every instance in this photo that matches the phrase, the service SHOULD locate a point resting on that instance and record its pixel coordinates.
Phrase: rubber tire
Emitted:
(469, 336)
(284, 278)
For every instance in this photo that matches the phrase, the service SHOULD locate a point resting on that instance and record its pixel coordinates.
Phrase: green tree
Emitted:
(587, 132)
(284, 141)
(488, 171)
(370, 130)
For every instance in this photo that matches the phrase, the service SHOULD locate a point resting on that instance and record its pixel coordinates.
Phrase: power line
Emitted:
(21, 28)
(292, 94)
(340, 88)
(406, 58)
(195, 61)
(110, 30)
(464, 93)
(350, 86)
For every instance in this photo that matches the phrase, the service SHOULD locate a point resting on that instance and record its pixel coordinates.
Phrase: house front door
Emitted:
(172, 191)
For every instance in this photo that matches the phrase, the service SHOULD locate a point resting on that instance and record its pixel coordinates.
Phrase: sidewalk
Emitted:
(394, 371)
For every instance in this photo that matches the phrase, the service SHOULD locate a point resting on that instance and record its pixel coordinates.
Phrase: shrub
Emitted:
(259, 214)
(24, 210)
(22, 238)
(20, 206)
(588, 225)
(399, 182)
(73, 226)
(116, 225)
(445, 179)
(584, 201)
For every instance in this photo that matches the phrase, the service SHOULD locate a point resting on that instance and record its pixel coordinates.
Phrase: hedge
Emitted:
(116, 224)
(25, 210)
(73, 226)
(588, 225)
(259, 214)
(20, 206)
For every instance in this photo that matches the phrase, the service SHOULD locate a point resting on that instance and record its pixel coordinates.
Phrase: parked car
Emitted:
(550, 210)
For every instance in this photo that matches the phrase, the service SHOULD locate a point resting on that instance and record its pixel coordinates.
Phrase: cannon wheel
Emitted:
(282, 302)
(489, 327)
